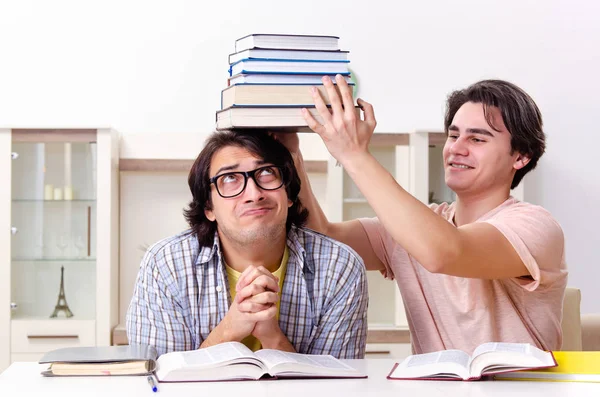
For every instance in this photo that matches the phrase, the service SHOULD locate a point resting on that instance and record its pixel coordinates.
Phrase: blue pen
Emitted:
(152, 383)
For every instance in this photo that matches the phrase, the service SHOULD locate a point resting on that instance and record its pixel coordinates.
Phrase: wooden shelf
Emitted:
(402, 139)
(176, 165)
(155, 165)
(37, 135)
(401, 335)
(312, 166)
(316, 166)
(388, 336)
(437, 138)
(349, 200)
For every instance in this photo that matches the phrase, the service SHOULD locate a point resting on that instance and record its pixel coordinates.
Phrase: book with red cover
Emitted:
(487, 359)
(234, 361)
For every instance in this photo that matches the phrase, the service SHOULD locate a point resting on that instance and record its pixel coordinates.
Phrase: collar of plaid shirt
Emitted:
(296, 249)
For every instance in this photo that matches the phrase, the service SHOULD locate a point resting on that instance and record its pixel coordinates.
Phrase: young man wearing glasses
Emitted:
(247, 270)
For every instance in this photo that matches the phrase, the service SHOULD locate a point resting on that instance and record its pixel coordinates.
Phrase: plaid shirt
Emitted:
(182, 294)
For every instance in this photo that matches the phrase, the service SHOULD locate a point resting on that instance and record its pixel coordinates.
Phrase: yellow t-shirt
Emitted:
(233, 276)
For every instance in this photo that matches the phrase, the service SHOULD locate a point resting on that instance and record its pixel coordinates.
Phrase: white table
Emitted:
(24, 379)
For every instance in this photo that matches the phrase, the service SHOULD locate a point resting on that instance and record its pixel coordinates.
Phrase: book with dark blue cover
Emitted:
(286, 66)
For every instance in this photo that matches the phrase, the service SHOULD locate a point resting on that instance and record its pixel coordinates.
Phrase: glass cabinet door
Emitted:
(53, 250)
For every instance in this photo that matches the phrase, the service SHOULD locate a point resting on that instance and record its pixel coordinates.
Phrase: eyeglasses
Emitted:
(231, 184)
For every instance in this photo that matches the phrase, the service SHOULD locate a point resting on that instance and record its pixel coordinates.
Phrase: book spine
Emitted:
(293, 73)
(283, 60)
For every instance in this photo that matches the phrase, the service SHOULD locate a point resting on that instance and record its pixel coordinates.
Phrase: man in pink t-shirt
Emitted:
(486, 268)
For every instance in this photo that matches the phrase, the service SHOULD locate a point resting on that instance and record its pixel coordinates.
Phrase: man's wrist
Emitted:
(229, 332)
(273, 340)
(354, 162)
(224, 332)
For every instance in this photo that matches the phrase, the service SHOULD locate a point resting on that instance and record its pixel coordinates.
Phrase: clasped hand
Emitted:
(254, 309)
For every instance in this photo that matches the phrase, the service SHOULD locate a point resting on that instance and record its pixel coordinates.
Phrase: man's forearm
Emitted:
(428, 237)
(316, 219)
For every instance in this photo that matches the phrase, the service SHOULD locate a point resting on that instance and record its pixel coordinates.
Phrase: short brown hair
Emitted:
(519, 112)
(258, 143)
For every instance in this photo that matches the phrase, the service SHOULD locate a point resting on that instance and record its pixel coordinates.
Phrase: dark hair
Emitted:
(258, 143)
(520, 114)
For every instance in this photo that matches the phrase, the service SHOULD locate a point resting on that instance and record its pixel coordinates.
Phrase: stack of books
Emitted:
(270, 76)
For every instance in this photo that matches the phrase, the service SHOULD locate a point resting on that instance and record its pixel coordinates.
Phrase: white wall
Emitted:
(154, 70)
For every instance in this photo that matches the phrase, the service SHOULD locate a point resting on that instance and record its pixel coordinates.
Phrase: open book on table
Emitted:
(234, 361)
(487, 359)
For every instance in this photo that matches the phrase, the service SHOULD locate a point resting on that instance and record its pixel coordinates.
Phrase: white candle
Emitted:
(58, 194)
(68, 193)
(48, 192)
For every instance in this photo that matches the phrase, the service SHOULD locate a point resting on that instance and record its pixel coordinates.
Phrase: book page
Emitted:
(286, 364)
(447, 356)
(442, 364)
(220, 353)
(500, 357)
(522, 348)
(276, 357)
(210, 363)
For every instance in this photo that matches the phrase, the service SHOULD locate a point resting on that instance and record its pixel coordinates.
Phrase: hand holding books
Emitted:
(342, 130)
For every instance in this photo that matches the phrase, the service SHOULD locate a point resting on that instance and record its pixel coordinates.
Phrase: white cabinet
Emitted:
(406, 157)
(397, 351)
(58, 239)
(345, 202)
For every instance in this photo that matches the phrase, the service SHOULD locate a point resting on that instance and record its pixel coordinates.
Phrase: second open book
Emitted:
(487, 359)
(234, 361)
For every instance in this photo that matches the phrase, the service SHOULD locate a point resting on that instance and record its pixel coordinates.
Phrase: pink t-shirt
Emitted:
(448, 312)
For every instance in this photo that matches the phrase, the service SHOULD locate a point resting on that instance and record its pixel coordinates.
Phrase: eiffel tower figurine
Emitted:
(61, 305)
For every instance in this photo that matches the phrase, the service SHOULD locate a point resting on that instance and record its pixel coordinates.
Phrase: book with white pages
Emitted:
(280, 118)
(234, 361)
(283, 66)
(289, 41)
(487, 359)
(100, 360)
(272, 95)
(272, 78)
(278, 53)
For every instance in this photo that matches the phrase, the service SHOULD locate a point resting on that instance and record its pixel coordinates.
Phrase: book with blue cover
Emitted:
(283, 66)
(279, 78)
(278, 53)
